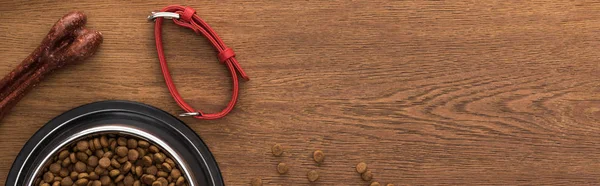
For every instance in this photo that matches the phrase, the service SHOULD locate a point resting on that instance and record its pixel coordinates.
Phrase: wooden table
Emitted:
(427, 93)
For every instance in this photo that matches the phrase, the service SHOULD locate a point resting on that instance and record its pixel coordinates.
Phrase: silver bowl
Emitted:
(117, 117)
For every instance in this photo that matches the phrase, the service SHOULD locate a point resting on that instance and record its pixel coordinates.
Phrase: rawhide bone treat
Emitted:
(67, 42)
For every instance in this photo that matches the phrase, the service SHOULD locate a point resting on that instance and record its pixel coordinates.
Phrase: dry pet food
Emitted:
(318, 156)
(312, 175)
(111, 160)
(256, 182)
(282, 168)
(375, 184)
(367, 176)
(361, 167)
(277, 150)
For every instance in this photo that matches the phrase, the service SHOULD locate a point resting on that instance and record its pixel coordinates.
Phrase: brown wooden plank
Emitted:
(425, 92)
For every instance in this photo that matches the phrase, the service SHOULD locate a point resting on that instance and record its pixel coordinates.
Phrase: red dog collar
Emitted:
(186, 17)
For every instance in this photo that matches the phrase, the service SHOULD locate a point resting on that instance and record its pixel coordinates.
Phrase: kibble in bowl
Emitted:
(115, 143)
(109, 159)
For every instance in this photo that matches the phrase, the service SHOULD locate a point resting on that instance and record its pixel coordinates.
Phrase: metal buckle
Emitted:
(190, 114)
(166, 15)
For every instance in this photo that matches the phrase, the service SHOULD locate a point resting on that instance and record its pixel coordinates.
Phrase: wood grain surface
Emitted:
(425, 92)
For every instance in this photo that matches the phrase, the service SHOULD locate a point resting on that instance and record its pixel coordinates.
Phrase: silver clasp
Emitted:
(190, 114)
(166, 15)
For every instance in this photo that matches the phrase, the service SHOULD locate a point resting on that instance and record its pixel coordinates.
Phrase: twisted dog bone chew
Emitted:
(67, 42)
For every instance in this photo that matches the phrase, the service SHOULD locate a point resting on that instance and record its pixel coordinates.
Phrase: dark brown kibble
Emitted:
(138, 171)
(66, 162)
(80, 167)
(367, 175)
(121, 151)
(181, 180)
(55, 168)
(72, 157)
(96, 183)
(256, 182)
(166, 167)
(73, 175)
(82, 182)
(119, 178)
(282, 168)
(83, 175)
(92, 161)
(97, 143)
(108, 154)
(277, 150)
(63, 154)
(170, 162)
(143, 144)
(126, 167)
(57, 178)
(103, 141)
(82, 146)
(128, 180)
(157, 183)
(148, 179)
(159, 157)
(153, 149)
(163, 181)
(175, 173)
(375, 184)
(93, 176)
(137, 183)
(122, 141)
(114, 173)
(113, 145)
(56, 183)
(141, 152)
(44, 184)
(146, 161)
(82, 156)
(105, 180)
(115, 164)
(99, 153)
(66, 181)
(132, 143)
(162, 174)
(319, 156)
(312, 175)
(64, 172)
(91, 144)
(133, 155)
(361, 167)
(152, 170)
(99, 170)
(104, 162)
(123, 159)
(48, 177)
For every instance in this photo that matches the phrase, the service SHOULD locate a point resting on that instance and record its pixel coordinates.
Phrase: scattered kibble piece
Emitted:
(361, 167)
(389, 184)
(318, 156)
(312, 175)
(375, 184)
(277, 150)
(282, 168)
(367, 176)
(256, 182)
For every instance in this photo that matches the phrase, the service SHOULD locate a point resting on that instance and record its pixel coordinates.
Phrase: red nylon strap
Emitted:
(189, 19)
